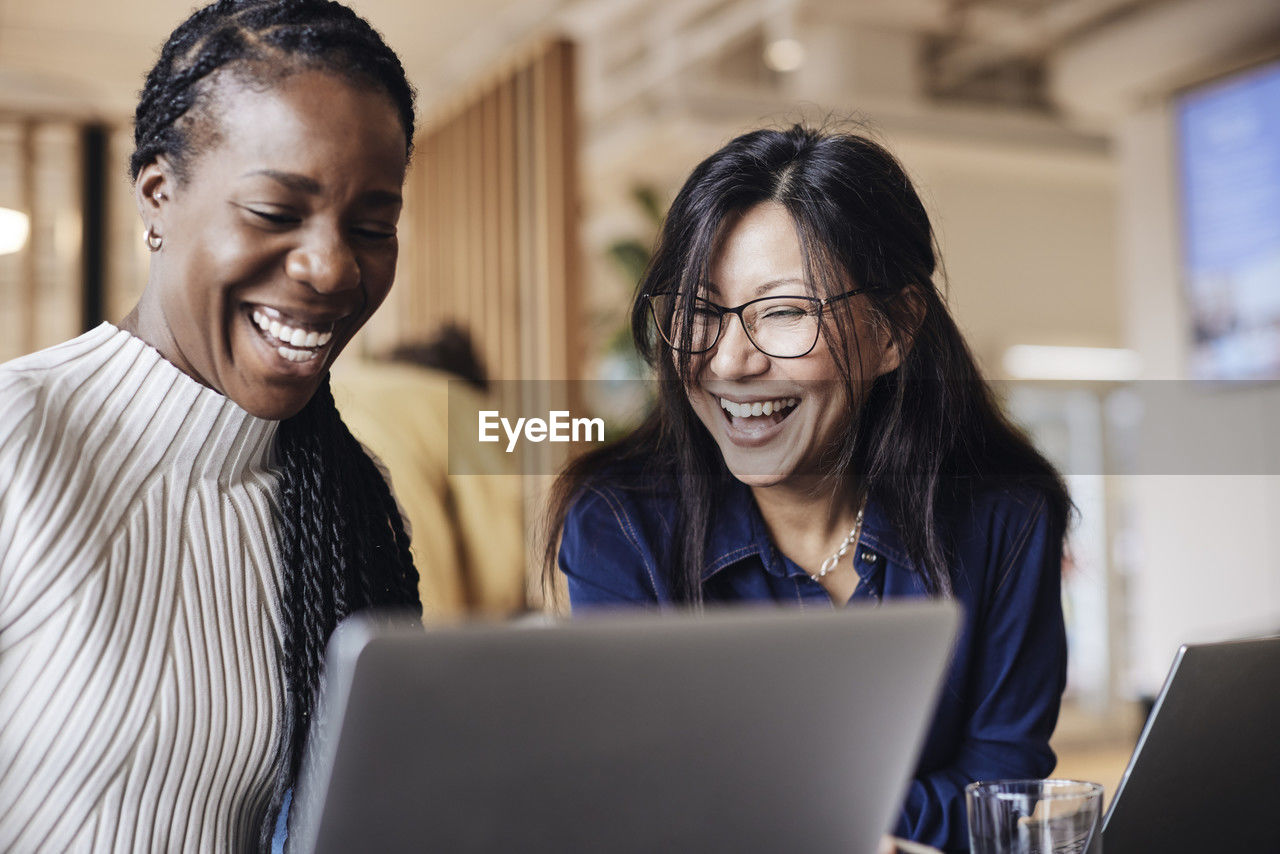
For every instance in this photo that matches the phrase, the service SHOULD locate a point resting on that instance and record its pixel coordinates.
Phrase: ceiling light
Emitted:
(14, 228)
(1086, 364)
(784, 55)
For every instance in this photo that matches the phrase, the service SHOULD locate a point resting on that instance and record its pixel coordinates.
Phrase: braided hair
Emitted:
(263, 40)
(343, 545)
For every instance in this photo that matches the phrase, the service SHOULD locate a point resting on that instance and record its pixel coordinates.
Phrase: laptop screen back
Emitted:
(746, 731)
(1205, 775)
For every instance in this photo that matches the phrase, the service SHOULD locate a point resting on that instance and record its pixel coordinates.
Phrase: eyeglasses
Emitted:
(782, 327)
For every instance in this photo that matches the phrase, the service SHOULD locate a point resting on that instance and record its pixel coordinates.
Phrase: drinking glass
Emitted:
(1034, 817)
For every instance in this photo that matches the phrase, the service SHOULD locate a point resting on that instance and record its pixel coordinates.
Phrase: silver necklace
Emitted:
(832, 562)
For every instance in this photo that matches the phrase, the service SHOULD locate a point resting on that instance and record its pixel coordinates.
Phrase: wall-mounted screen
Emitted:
(1229, 169)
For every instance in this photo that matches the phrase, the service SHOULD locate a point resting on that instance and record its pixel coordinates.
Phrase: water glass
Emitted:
(1034, 817)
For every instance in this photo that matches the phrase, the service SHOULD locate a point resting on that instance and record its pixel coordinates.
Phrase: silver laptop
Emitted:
(746, 730)
(1205, 776)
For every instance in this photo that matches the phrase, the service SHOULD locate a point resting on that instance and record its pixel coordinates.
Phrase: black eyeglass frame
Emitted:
(721, 311)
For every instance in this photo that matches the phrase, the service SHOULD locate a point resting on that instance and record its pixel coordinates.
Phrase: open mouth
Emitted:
(293, 339)
(758, 413)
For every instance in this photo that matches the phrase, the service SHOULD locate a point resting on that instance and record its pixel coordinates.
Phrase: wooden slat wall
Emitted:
(30, 319)
(41, 296)
(489, 236)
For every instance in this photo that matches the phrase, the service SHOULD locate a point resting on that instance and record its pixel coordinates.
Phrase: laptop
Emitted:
(1205, 775)
(744, 730)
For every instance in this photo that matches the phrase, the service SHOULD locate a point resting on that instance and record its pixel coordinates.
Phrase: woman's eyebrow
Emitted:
(311, 187)
(764, 287)
(382, 199)
(291, 180)
(761, 289)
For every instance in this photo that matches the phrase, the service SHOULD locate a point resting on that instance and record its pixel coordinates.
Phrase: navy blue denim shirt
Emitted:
(1000, 701)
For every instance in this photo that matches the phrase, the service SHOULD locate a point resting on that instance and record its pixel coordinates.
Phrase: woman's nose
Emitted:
(734, 356)
(325, 263)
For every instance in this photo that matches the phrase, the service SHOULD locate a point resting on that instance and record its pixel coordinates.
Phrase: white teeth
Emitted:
(294, 337)
(750, 410)
(297, 355)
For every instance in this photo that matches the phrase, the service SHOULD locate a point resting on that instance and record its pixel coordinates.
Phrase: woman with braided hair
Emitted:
(184, 518)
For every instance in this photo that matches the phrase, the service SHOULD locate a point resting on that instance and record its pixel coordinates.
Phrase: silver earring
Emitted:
(154, 241)
(158, 196)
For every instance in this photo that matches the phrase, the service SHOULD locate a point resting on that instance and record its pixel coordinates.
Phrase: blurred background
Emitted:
(1104, 177)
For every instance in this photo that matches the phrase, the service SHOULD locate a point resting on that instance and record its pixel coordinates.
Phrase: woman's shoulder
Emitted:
(38, 375)
(616, 534)
(21, 391)
(36, 388)
(43, 367)
(1002, 528)
(623, 491)
(1005, 504)
(64, 356)
(630, 502)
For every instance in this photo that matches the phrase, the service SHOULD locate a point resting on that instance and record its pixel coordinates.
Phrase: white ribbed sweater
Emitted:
(141, 697)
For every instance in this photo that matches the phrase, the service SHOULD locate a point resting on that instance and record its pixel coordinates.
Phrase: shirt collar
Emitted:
(880, 537)
(737, 533)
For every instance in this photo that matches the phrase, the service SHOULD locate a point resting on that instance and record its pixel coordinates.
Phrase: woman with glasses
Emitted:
(823, 437)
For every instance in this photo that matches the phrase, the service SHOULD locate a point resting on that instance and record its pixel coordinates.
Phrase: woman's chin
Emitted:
(274, 399)
(757, 481)
(763, 469)
(758, 470)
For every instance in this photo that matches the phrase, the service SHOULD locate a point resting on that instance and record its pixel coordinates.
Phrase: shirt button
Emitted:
(870, 557)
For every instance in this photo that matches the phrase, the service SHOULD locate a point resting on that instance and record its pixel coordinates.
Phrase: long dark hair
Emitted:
(343, 546)
(925, 436)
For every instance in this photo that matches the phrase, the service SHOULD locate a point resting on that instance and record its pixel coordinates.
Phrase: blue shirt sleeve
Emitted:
(604, 554)
(1016, 679)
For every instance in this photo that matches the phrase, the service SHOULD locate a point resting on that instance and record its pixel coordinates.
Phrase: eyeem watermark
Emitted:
(558, 426)
(1148, 427)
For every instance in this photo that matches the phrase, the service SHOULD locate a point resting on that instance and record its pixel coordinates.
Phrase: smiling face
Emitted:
(773, 419)
(280, 241)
